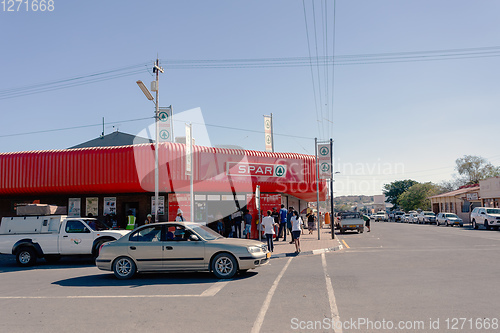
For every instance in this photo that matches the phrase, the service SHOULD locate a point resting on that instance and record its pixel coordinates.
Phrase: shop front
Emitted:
(116, 181)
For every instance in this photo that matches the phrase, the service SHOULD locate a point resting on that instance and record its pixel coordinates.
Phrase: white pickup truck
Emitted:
(50, 237)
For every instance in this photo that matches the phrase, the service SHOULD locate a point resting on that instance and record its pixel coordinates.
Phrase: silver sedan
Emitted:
(180, 246)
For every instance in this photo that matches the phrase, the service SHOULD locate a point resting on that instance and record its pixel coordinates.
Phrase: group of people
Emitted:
(283, 219)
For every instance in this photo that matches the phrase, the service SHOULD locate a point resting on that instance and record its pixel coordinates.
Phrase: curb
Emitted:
(314, 252)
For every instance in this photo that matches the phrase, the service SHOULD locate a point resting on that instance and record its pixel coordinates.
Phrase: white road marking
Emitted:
(262, 314)
(214, 289)
(210, 292)
(334, 311)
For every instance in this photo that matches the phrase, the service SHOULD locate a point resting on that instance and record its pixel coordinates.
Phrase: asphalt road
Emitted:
(411, 278)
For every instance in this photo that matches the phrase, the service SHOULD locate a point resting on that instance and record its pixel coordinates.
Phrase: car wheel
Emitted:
(486, 225)
(474, 224)
(124, 268)
(26, 256)
(224, 266)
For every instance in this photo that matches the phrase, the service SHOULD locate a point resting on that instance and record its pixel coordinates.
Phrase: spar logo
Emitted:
(255, 169)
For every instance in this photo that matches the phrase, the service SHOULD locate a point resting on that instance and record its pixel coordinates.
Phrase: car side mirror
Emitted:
(193, 238)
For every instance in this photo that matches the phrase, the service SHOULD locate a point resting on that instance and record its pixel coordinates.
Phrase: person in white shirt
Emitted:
(268, 223)
(296, 229)
(179, 217)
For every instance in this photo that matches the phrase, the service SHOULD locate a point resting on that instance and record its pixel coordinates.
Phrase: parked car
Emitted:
(381, 216)
(398, 216)
(489, 217)
(449, 219)
(413, 218)
(426, 217)
(180, 246)
(405, 218)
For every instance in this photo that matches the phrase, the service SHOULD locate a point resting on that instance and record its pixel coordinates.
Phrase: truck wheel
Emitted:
(124, 268)
(474, 224)
(97, 247)
(224, 266)
(26, 256)
(486, 225)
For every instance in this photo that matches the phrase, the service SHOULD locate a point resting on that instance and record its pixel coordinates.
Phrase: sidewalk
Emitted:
(309, 244)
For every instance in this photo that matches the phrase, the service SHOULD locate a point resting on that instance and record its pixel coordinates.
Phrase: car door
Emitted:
(76, 238)
(180, 252)
(481, 213)
(146, 248)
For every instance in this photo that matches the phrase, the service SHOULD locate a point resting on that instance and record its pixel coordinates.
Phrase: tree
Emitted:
(394, 190)
(474, 168)
(416, 197)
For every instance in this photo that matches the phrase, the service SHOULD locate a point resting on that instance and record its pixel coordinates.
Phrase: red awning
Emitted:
(130, 169)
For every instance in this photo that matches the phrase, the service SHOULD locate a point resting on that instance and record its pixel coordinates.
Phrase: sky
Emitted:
(413, 85)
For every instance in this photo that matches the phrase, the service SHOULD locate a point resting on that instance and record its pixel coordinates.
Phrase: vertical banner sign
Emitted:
(165, 125)
(189, 147)
(268, 132)
(324, 160)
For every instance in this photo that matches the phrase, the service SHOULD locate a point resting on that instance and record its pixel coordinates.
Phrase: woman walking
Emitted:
(311, 225)
(296, 228)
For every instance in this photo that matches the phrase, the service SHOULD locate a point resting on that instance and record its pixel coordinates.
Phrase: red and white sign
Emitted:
(255, 169)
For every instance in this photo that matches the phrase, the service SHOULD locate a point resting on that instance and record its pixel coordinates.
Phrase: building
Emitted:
(120, 179)
(489, 192)
(460, 202)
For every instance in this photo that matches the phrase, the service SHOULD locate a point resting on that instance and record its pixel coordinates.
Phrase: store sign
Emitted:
(325, 161)
(472, 196)
(256, 169)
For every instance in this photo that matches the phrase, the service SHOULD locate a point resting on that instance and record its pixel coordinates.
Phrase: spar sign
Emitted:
(255, 169)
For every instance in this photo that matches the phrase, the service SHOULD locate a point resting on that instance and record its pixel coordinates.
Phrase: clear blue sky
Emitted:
(396, 119)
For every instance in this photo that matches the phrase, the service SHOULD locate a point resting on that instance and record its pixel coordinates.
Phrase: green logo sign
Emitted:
(324, 167)
(268, 124)
(280, 171)
(324, 151)
(164, 134)
(163, 116)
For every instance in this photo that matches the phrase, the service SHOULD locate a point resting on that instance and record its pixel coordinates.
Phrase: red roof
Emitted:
(130, 169)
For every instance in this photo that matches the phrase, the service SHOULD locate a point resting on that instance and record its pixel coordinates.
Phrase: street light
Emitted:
(156, 69)
(145, 90)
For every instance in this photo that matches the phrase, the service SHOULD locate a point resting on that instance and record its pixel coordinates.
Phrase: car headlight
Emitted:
(254, 249)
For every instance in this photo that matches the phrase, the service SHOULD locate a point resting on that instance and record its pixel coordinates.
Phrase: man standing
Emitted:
(282, 228)
(248, 223)
(276, 216)
(268, 224)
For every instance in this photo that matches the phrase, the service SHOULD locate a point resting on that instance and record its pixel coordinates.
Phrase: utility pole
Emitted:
(157, 69)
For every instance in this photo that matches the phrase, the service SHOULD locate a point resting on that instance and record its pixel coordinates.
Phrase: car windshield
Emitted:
(205, 232)
(96, 225)
(451, 215)
(429, 213)
(493, 211)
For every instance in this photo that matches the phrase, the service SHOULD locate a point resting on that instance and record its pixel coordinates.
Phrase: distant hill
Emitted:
(353, 199)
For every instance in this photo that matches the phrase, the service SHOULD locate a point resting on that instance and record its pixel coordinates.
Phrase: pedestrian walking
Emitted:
(311, 222)
(268, 224)
(296, 228)
(282, 225)
(289, 222)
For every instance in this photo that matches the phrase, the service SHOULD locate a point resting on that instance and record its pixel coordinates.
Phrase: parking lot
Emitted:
(398, 272)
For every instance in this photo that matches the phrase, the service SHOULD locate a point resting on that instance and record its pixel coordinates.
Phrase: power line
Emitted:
(311, 67)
